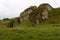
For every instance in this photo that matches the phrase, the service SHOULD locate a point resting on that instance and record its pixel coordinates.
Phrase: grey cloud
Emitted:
(12, 8)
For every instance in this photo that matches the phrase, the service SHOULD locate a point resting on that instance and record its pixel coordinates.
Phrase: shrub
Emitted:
(0, 19)
(10, 24)
(6, 19)
(14, 22)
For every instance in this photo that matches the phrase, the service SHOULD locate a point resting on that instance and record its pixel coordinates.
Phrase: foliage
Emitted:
(6, 19)
(47, 30)
(14, 22)
(10, 24)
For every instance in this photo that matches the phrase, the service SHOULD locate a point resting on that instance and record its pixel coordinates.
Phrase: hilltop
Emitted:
(46, 29)
(34, 14)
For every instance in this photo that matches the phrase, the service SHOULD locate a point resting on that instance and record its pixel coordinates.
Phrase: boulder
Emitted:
(41, 13)
(25, 14)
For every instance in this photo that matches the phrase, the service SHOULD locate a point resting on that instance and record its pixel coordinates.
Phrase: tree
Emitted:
(5, 19)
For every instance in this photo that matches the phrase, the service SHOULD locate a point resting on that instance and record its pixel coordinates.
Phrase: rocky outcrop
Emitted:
(41, 13)
(35, 14)
(25, 14)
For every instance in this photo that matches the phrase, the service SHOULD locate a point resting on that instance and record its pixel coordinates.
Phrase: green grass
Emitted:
(47, 30)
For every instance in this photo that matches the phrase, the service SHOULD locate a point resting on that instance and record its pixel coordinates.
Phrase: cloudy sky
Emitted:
(12, 8)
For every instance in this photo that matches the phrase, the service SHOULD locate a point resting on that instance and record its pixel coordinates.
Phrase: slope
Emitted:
(47, 30)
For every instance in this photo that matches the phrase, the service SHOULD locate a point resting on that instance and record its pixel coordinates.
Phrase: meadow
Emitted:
(47, 30)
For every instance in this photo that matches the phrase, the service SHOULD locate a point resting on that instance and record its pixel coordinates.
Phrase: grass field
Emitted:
(47, 30)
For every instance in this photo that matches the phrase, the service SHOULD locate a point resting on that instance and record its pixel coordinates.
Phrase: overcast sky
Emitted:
(12, 8)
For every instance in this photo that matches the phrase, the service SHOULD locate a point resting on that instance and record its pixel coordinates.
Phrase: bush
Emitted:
(0, 19)
(10, 24)
(13, 22)
(6, 19)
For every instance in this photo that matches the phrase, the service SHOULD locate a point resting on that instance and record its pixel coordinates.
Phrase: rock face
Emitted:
(25, 14)
(35, 14)
(41, 13)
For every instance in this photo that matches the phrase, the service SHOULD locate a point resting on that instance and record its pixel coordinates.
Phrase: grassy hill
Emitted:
(47, 30)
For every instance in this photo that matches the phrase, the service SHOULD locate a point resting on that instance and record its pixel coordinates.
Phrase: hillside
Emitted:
(47, 30)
